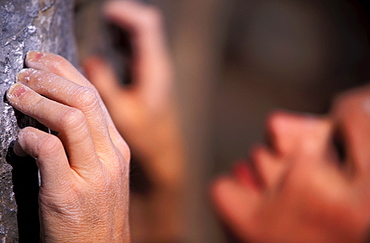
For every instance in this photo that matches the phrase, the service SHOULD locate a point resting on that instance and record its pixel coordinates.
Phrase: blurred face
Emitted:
(310, 183)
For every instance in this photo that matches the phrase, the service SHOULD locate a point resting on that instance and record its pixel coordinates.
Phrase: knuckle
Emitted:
(125, 171)
(123, 162)
(123, 149)
(49, 144)
(71, 119)
(123, 153)
(126, 152)
(86, 98)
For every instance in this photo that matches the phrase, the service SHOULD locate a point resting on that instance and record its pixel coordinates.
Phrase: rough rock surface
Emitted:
(25, 25)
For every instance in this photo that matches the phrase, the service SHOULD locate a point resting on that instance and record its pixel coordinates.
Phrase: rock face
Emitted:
(25, 25)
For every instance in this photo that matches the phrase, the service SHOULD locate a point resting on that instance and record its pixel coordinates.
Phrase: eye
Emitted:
(339, 146)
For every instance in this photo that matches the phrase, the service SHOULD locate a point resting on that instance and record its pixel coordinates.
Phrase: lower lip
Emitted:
(245, 175)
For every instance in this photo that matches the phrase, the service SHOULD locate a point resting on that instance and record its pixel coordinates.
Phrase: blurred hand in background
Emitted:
(145, 114)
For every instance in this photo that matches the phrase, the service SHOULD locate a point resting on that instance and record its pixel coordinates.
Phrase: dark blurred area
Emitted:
(294, 55)
(238, 60)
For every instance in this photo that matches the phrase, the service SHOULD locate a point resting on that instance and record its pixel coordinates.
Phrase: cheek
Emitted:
(331, 209)
(318, 199)
(235, 205)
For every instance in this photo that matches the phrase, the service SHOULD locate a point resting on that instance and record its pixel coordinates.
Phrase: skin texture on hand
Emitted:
(309, 183)
(146, 116)
(84, 169)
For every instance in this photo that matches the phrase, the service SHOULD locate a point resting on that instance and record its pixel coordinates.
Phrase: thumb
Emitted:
(103, 77)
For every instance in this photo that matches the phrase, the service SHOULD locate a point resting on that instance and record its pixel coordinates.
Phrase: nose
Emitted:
(279, 126)
(285, 130)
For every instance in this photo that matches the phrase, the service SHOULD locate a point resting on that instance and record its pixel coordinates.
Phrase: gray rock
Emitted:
(25, 25)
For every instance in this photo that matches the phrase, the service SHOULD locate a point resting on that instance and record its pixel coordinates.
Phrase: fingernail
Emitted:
(15, 91)
(34, 56)
(24, 75)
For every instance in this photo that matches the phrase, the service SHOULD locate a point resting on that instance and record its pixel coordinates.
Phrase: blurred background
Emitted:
(238, 60)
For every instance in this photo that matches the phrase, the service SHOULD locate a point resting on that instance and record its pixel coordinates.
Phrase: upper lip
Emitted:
(253, 177)
(253, 160)
(256, 163)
